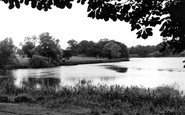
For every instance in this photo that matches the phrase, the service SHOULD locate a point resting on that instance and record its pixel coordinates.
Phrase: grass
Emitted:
(74, 60)
(100, 99)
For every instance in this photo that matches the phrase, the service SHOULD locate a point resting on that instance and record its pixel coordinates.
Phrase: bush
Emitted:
(182, 54)
(38, 61)
(4, 99)
(23, 98)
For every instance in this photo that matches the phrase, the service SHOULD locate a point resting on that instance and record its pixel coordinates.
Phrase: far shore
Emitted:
(23, 63)
(77, 60)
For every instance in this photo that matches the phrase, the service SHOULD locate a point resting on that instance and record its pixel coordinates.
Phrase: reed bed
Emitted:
(100, 99)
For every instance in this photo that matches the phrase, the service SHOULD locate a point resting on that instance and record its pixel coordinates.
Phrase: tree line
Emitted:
(104, 48)
(153, 51)
(42, 51)
(45, 51)
(142, 15)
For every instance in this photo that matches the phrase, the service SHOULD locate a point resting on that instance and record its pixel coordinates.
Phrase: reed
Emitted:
(116, 99)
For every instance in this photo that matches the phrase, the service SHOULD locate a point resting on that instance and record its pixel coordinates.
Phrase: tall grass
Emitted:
(117, 100)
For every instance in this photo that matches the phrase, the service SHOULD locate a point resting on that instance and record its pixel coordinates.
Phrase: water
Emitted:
(146, 72)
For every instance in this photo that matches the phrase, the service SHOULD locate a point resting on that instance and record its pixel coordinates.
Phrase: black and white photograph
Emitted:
(92, 57)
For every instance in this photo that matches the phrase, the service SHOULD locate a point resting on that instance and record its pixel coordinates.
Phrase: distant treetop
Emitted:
(142, 15)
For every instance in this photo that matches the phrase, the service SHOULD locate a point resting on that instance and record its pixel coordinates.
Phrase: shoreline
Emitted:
(71, 63)
(91, 99)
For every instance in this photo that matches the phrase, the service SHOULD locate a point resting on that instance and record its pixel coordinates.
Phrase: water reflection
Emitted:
(107, 78)
(116, 68)
(147, 72)
(41, 82)
(5, 74)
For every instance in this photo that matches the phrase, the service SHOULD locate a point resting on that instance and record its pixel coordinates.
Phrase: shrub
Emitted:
(4, 99)
(182, 53)
(38, 61)
(23, 98)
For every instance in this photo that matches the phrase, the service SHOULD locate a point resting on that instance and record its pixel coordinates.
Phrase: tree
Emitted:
(38, 61)
(29, 45)
(66, 54)
(142, 51)
(49, 47)
(6, 52)
(20, 52)
(124, 50)
(84, 47)
(100, 45)
(112, 50)
(39, 4)
(142, 15)
(73, 47)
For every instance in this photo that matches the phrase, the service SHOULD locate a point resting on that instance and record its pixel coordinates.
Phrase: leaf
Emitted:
(33, 4)
(139, 33)
(135, 26)
(45, 8)
(5, 1)
(81, 1)
(21, 1)
(11, 6)
(91, 14)
(69, 5)
(163, 26)
(144, 35)
(17, 4)
(39, 6)
(26, 2)
(106, 18)
(149, 31)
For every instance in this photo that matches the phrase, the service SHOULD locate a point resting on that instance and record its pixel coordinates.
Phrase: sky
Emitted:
(66, 24)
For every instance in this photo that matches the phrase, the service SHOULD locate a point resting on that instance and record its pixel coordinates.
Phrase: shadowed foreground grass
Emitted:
(100, 99)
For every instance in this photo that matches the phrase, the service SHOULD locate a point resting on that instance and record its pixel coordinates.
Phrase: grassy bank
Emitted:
(100, 99)
(75, 60)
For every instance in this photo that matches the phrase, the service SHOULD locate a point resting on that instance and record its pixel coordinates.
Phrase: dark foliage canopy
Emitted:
(142, 15)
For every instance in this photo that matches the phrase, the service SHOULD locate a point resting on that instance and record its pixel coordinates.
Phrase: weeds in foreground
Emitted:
(117, 100)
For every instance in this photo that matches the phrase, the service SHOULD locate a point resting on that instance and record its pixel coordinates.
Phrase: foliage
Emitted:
(20, 52)
(133, 100)
(29, 46)
(38, 61)
(182, 53)
(150, 51)
(45, 49)
(73, 46)
(124, 50)
(142, 51)
(84, 46)
(49, 47)
(39, 4)
(155, 54)
(112, 50)
(100, 45)
(66, 54)
(142, 15)
(99, 49)
(6, 53)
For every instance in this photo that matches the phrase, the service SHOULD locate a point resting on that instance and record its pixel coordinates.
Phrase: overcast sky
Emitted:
(65, 24)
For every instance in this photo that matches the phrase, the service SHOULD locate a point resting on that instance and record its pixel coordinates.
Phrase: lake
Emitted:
(146, 72)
